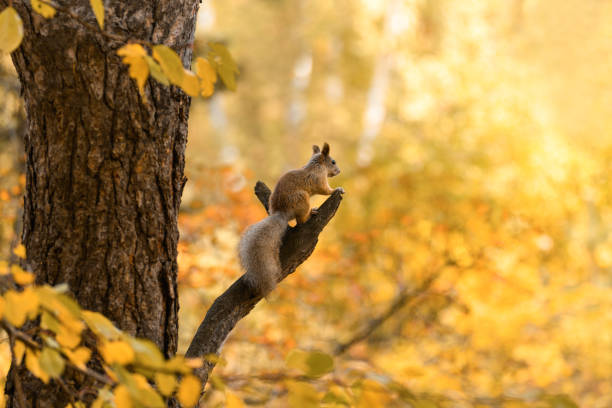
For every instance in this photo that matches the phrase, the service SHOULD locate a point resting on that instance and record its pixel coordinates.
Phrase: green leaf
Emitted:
(312, 364)
(98, 9)
(70, 305)
(11, 30)
(34, 366)
(170, 63)
(50, 322)
(156, 71)
(319, 363)
(100, 324)
(333, 398)
(51, 362)
(224, 64)
(146, 353)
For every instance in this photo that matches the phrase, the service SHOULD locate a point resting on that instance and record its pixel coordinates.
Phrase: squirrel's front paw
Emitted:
(340, 189)
(314, 211)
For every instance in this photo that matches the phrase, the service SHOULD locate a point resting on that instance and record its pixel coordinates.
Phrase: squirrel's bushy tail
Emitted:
(259, 252)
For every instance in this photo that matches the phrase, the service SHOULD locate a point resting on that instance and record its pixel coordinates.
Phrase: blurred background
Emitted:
(470, 262)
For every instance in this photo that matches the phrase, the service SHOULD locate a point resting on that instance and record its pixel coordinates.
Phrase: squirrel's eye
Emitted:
(333, 162)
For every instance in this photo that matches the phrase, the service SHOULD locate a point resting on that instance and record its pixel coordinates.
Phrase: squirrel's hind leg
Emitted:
(302, 210)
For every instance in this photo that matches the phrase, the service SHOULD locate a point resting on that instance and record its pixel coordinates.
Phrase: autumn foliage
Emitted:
(470, 264)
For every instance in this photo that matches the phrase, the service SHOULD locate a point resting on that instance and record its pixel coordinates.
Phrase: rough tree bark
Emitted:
(104, 177)
(104, 168)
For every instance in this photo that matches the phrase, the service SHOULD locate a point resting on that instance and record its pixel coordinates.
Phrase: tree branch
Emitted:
(405, 296)
(238, 300)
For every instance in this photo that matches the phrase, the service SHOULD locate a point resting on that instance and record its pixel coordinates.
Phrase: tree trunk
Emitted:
(104, 168)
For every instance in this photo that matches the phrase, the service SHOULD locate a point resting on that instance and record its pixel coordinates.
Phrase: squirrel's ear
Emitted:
(315, 149)
(325, 150)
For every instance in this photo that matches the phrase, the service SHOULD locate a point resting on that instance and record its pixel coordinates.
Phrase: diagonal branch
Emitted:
(400, 301)
(238, 300)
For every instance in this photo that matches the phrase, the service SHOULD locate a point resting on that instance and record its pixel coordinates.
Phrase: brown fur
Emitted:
(260, 244)
(294, 189)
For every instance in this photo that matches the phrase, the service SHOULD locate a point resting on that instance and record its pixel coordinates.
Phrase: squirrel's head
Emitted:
(323, 157)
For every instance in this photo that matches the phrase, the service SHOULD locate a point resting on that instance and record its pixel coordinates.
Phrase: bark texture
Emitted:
(104, 172)
(238, 300)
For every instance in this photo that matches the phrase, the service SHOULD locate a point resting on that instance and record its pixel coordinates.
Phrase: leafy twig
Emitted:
(33, 344)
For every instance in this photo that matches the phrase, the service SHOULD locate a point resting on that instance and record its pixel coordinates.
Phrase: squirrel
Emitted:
(259, 247)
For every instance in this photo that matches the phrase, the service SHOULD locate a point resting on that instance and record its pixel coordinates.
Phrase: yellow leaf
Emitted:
(20, 251)
(19, 351)
(51, 362)
(232, 400)
(603, 255)
(32, 364)
(134, 55)
(78, 357)
(67, 337)
(139, 70)
(208, 76)
(131, 50)
(4, 269)
(190, 84)
(178, 364)
(122, 397)
(117, 352)
(170, 63)
(189, 391)
(373, 395)
(166, 383)
(302, 395)
(11, 30)
(204, 70)
(19, 306)
(43, 9)
(99, 402)
(78, 404)
(22, 277)
(194, 362)
(141, 381)
(61, 315)
(98, 9)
